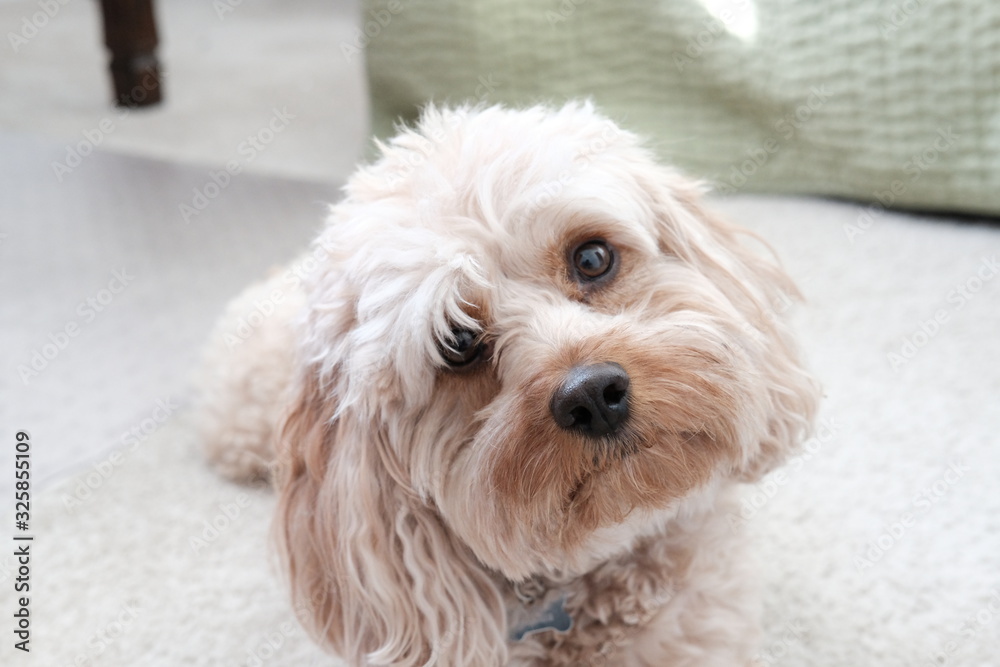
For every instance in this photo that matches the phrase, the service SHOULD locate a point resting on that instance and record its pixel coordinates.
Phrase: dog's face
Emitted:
(527, 334)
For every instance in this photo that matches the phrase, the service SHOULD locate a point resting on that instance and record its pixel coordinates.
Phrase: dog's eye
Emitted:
(464, 348)
(593, 259)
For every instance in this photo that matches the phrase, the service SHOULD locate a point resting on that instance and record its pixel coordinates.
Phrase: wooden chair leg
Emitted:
(130, 34)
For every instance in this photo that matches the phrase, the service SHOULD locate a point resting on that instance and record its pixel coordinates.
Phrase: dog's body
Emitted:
(528, 373)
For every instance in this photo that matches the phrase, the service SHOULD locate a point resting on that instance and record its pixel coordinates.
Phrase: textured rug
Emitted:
(879, 545)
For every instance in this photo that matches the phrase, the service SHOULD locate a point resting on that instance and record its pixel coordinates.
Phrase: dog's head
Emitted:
(526, 346)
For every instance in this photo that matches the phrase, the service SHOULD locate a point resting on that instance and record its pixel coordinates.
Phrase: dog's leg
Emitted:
(248, 366)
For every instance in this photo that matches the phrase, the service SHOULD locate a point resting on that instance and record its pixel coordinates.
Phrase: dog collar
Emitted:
(551, 617)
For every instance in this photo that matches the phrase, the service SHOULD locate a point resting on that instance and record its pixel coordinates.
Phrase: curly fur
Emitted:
(424, 511)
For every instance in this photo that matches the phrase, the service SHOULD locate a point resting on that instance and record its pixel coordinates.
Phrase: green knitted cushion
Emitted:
(895, 102)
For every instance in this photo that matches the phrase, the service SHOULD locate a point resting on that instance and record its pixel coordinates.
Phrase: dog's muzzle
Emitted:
(592, 400)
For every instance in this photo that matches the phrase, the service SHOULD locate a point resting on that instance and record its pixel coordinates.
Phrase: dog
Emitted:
(508, 399)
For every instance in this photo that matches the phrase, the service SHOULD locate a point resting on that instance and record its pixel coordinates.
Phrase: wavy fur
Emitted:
(425, 512)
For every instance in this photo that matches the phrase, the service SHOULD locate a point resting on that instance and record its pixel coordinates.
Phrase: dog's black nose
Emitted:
(592, 399)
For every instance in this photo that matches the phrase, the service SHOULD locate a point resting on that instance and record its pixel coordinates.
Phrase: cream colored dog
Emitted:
(522, 373)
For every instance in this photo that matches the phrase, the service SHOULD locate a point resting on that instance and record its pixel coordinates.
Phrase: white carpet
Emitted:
(118, 579)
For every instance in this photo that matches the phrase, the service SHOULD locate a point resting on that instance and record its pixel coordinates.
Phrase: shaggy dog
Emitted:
(507, 400)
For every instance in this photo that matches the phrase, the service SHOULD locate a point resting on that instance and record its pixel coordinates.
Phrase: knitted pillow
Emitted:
(896, 103)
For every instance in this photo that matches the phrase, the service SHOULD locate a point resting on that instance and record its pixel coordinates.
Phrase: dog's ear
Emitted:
(374, 573)
(754, 283)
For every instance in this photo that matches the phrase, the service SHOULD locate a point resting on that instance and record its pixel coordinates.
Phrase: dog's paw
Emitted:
(247, 368)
